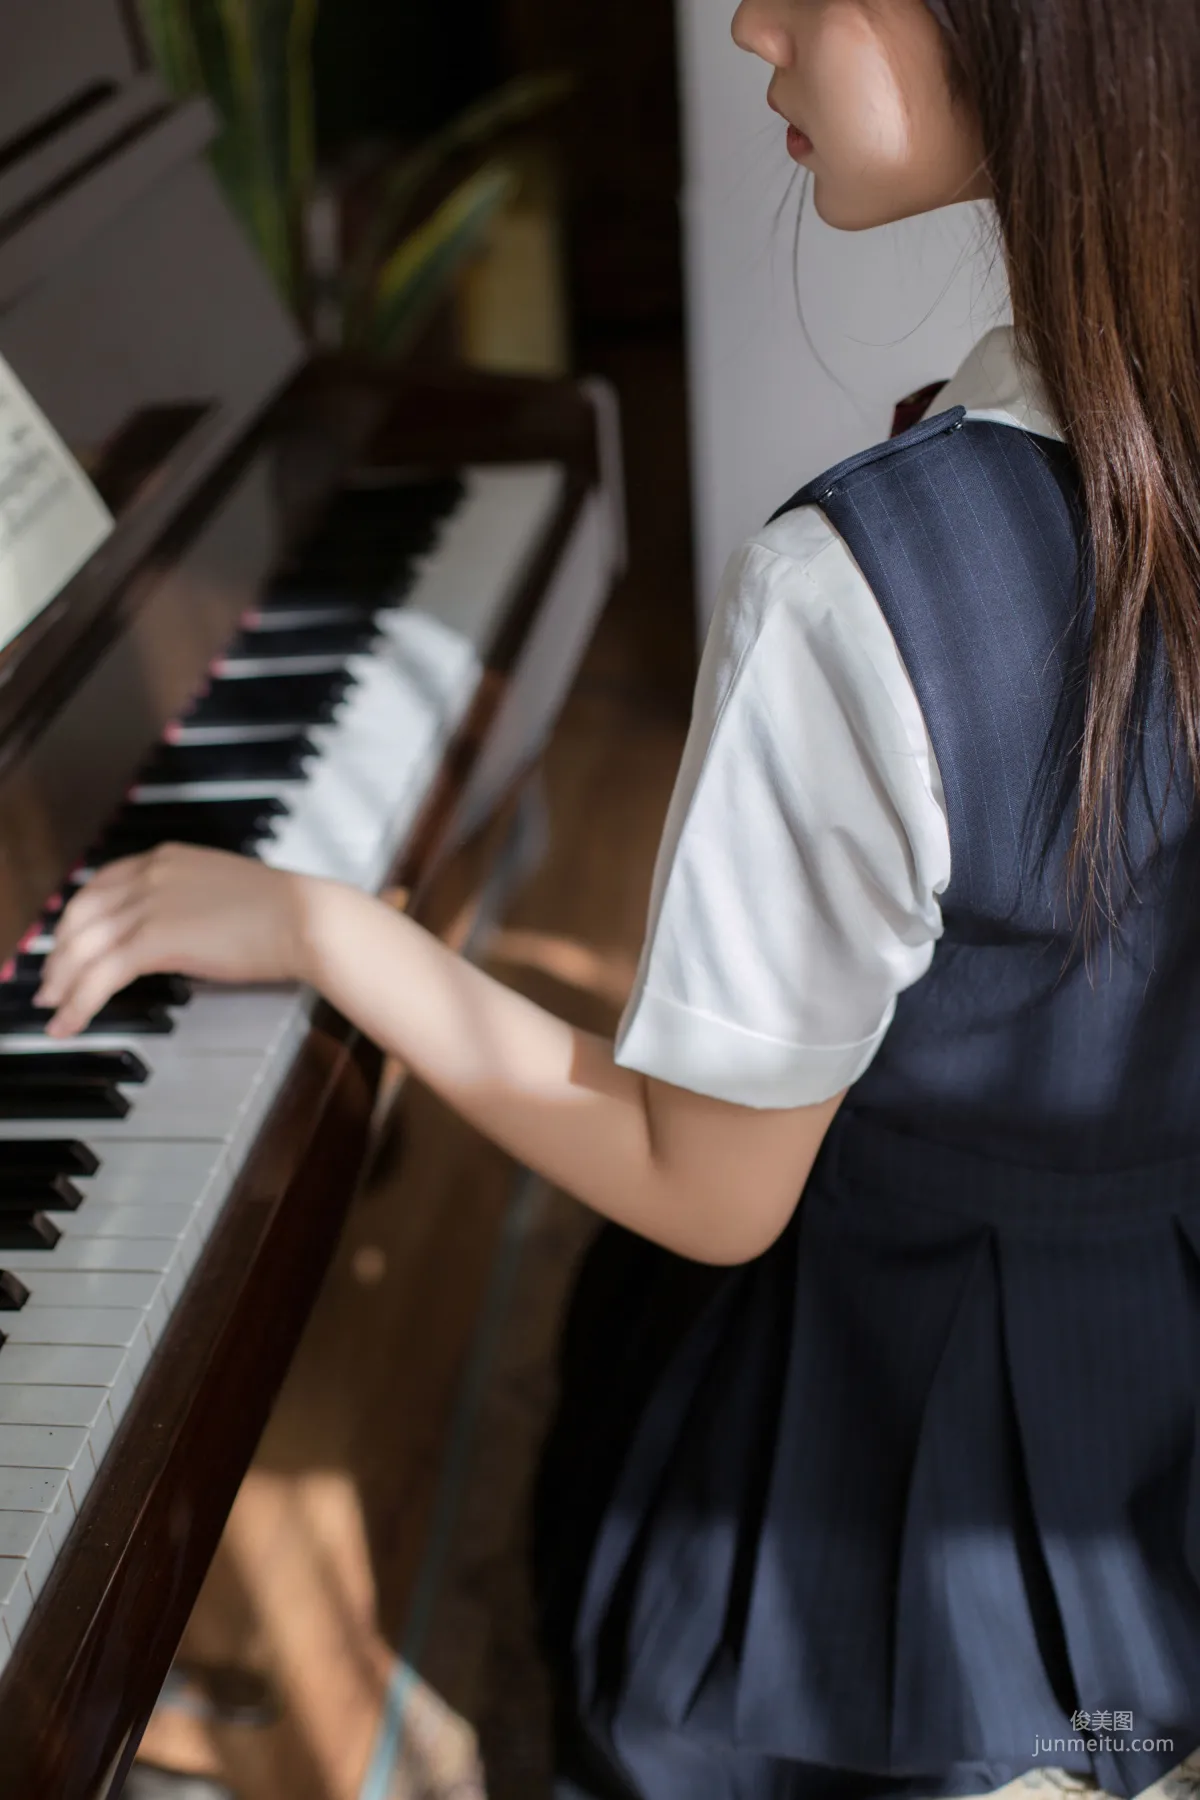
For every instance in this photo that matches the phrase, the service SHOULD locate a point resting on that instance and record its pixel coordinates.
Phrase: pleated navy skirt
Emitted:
(889, 1510)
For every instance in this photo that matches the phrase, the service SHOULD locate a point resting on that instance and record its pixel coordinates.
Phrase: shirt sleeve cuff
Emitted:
(707, 1055)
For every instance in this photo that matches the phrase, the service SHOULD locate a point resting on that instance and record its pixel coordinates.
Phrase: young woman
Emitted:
(894, 1490)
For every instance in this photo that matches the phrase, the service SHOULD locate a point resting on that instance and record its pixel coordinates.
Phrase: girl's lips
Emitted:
(799, 143)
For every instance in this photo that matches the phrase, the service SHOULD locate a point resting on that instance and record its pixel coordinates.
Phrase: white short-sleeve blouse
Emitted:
(796, 889)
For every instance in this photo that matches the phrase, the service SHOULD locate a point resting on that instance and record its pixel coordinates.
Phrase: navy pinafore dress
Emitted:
(911, 1503)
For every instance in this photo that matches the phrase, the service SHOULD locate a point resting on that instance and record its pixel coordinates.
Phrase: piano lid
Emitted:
(127, 287)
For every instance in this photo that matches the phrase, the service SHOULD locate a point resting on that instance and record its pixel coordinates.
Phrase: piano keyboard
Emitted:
(313, 746)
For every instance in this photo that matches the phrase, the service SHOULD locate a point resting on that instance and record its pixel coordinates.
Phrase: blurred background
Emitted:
(533, 188)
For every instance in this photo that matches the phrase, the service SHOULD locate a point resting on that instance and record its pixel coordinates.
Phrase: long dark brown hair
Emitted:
(1090, 117)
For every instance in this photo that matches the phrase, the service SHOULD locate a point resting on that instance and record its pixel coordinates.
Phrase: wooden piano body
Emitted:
(134, 312)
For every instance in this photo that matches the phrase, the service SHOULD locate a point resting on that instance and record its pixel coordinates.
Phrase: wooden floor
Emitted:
(372, 1572)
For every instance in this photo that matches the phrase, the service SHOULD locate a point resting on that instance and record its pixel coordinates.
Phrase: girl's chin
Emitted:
(843, 214)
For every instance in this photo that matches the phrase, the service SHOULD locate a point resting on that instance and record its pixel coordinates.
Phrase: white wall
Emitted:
(887, 310)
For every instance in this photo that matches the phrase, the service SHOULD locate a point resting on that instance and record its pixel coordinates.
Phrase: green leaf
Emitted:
(168, 27)
(416, 274)
(251, 58)
(512, 105)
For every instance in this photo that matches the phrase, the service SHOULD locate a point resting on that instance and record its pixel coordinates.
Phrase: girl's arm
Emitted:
(708, 1179)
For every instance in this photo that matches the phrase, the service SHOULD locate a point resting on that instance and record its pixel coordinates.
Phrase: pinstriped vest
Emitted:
(970, 535)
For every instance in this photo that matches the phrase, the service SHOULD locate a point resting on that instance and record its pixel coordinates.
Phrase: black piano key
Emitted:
(13, 1292)
(157, 990)
(351, 566)
(131, 1018)
(20, 1068)
(393, 505)
(120, 1018)
(129, 841)
(38, 1193)
(296, 700)
(216, 824)
(27, 969)
(28, 1231)
(316, 640)
(278, 759)
(200, 815)
(46, 1156)
(64, 1100)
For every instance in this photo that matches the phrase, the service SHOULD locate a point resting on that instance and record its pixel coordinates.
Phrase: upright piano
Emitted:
(332, 623)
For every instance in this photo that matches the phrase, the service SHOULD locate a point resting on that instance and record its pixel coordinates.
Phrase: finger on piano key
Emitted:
(124, 1015)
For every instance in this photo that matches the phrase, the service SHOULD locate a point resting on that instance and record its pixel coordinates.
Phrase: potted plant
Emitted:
(429, 208)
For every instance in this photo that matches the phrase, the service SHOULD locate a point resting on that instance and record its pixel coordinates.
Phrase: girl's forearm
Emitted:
(548, 1094)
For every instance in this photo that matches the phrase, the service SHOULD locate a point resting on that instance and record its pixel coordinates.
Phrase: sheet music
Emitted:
(51, 517)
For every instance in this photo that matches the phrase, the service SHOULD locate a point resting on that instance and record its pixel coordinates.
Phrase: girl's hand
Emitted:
(175, 910)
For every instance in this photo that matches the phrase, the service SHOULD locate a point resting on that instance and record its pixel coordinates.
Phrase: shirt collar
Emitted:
(994, 383)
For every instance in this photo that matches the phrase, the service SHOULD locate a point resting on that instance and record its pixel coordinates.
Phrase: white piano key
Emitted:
(60, 1365)
(244, 668)
(134, 1173)
(93, 1287)
(152, 1255)
(20, 1532)
(111, 1367)
(42, 1491)
(50, 1447)
(51, 1406)
(120, 1326)
(487, 547)
(36, 1490)
(167, 793)
(226, 1021)
(206, 735)
(40, 1557)
(96, 1218)
(16, 1597)
(46, 1404)
(41, 1446)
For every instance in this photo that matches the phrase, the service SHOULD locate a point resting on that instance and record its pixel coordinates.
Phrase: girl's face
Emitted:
(864, 88)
